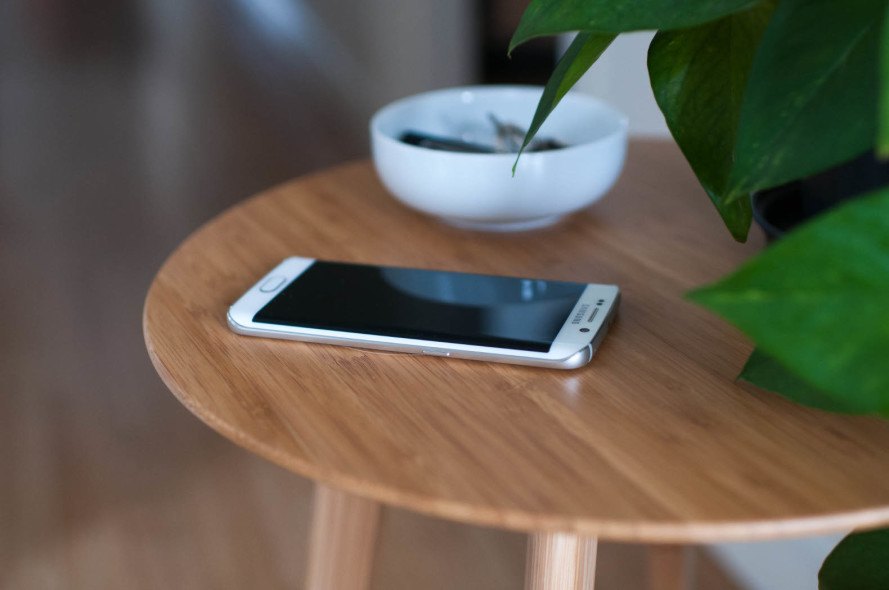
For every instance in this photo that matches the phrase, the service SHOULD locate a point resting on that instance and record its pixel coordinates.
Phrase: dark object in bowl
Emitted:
(447, 144)
(778, 210)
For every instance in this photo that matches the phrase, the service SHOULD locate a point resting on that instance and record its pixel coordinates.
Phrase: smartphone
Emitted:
(522, 321)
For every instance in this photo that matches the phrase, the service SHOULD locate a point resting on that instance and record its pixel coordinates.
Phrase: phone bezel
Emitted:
(570, 349)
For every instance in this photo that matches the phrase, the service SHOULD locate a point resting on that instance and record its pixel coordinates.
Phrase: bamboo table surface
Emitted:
(653, 441)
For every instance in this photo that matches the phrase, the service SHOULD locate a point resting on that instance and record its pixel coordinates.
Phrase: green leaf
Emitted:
(765, 372)
(811, 100)
(818, 302)
(859, 562)
(550, 17)
(883, 118)
(698, 76)
(581, 54)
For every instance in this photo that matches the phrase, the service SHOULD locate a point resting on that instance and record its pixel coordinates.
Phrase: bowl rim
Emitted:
(618, 116)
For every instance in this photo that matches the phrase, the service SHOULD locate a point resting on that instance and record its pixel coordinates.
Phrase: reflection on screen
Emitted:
(502, 312)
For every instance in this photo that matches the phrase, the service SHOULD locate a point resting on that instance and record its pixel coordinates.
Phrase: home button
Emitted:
(272, 284)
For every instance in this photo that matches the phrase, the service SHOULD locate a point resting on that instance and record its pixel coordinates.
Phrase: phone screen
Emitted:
(502, 312)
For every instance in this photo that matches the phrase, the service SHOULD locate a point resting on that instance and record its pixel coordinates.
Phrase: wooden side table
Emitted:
(653, 442)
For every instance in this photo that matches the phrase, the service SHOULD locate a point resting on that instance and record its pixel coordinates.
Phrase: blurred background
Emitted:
(124, 125)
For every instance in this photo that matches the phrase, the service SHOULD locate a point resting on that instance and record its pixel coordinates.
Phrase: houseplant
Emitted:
(758, 93)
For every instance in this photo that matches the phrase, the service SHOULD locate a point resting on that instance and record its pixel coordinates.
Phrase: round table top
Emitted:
(653, 441)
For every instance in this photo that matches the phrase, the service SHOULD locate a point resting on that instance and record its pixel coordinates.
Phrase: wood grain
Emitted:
(653, 441)
(343, 541)
(560, 561)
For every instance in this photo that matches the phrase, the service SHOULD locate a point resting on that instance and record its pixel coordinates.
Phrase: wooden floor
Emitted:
(123, 126)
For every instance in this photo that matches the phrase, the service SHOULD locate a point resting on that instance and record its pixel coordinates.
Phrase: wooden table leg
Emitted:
(670, 567)
(343, 538)
(560, 561)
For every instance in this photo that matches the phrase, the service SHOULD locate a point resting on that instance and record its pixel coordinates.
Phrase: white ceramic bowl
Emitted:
(478, 190)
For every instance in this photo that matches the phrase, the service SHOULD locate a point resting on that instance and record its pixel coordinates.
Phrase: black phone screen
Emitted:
(483, 310)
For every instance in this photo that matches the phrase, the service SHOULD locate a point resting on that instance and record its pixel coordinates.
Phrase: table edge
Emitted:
(515, 520)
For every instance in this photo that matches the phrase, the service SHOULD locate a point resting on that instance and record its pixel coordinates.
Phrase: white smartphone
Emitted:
(438, 313)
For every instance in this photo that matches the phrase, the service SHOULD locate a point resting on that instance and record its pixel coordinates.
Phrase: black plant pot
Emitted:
(780, 209)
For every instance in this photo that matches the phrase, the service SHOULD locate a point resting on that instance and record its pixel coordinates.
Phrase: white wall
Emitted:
(620, 77)
(776, 565)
